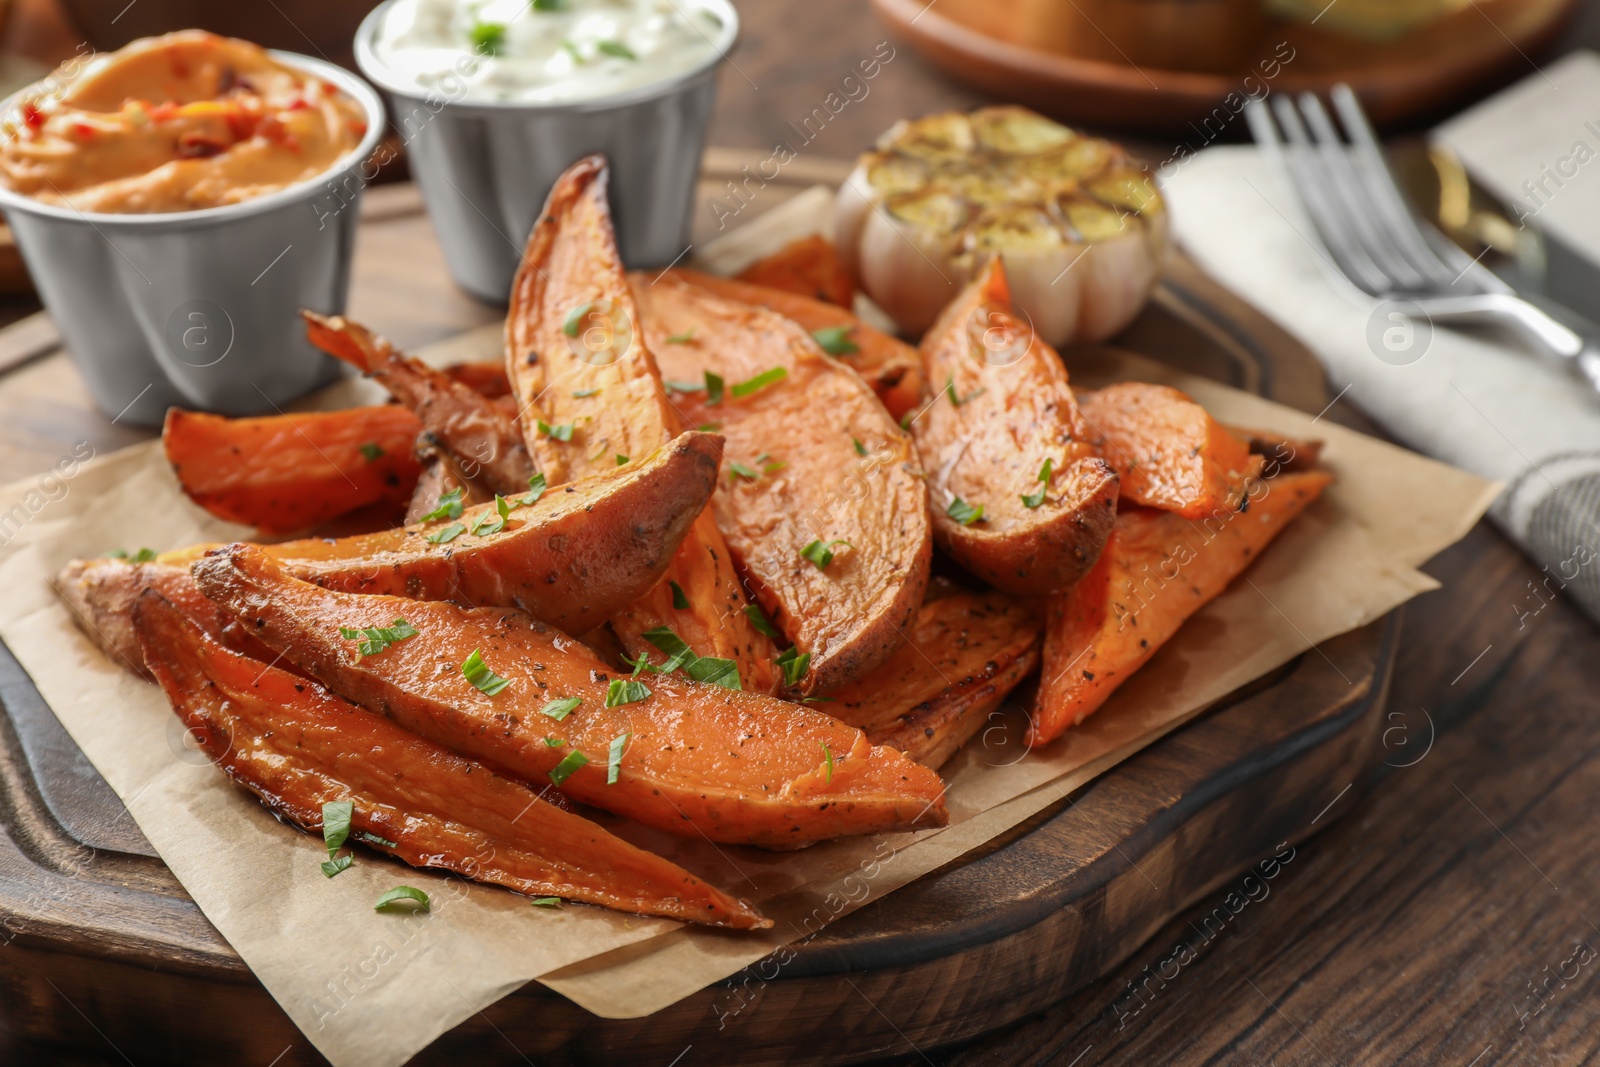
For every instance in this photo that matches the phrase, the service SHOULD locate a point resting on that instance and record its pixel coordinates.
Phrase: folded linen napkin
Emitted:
(1482, 401)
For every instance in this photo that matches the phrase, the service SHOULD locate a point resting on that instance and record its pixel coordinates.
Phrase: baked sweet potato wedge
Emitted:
(298, 747)
(486, 378)
(284, 473)
(964, 653)
(892, 367)
(1168, 451)
(497, 685)
(820, 498)
(440, 477)
(1279, 454)
(483, 440)
(593, 400)
(573, 558)
(809, 266)
(1019, 496)
(1157, 569)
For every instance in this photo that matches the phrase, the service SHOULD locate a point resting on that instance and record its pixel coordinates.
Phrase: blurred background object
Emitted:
(322, 28)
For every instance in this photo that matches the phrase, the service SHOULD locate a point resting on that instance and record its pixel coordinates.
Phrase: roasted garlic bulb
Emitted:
(1079, 223)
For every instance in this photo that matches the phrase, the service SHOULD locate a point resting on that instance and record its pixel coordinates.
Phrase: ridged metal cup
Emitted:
(200, 309)
(485, 168)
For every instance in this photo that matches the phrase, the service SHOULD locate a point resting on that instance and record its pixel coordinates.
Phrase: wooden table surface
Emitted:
(1449, 918)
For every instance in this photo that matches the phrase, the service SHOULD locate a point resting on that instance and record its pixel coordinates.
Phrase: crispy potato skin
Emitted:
(1168, 450)
(283, 473)
(297, 747)
(849, 616)
(574, 558)
(1012, 409)
(1157, 570)
(964, 653)
(892, 367)
(808, 266)
(735, 766)
(482, 439)
(572, 263)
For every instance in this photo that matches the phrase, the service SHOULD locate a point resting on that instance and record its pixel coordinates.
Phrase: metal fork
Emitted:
(1372, 237)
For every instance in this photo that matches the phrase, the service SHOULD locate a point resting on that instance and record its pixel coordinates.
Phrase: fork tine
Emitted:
(1384, 193)
(1327, 214)
(1355, 197)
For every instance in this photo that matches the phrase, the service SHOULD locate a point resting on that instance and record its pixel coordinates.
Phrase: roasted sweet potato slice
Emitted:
(808, 266)
(1157, 570)
(496, 685)
(1168, 451)
(820, 500)
(1279, 454)
(964, 653)
(892, 367)
(484, 441)
(573, 558)
(593, 400)
(283, 473)
(999, 431)
(298, 747)
(487, 379)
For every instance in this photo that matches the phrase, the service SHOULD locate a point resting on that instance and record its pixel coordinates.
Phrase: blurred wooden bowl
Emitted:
(323, 28)
(1207, 35)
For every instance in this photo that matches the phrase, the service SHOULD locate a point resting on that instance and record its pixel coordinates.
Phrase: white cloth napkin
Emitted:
(1478, 400)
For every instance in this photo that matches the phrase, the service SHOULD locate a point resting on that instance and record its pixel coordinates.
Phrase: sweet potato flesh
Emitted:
(807, 266)
(892, 367)
(998, 407)
(694, 758)
(577, 354)
(1157, 570)
(298, 747)
(283, 473)
(812, 457)
(1170, 453)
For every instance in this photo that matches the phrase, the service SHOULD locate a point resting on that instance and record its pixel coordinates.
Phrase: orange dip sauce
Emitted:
(176, 123)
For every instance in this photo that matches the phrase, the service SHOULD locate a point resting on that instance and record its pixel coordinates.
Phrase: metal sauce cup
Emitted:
(485, 168)
(200, 309)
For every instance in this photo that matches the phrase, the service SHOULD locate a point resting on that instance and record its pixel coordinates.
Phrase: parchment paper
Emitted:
(372, 989)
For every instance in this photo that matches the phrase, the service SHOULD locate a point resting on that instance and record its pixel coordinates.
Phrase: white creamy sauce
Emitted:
(543, 51)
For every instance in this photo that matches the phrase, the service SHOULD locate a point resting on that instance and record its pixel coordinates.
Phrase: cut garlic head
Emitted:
(1080, 224)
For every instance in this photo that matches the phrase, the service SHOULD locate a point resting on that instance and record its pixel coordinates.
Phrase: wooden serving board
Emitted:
(105, 957)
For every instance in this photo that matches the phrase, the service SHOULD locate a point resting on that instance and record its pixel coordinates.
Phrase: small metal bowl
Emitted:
(200, 309)
(485, 168)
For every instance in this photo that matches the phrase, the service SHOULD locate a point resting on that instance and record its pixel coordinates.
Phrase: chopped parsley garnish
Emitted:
(569, 763)
(448, 534)
(679, 600)
(450, 506)
(835, 340)
(581, 393)
(716, 671)
(759, 620)
(374, 839)
(561, 707)
(336, 866)
(625, 691)
(488, 37)
(950, 391)
(677, 649)
(478, 673)
(742, 471)
(402, 893)
(575, 319)
(549, 5)
(760, 381)
(686, 338)
(861, 449)
(709, 427)
(622, 461)
(827, 754)
(617, 49)
(562, 432)
(714, 387)
(820, 553)
(963, 512)
(536, 488)
(572, 50)
(794, 665)
(774, 467)
(495, 521)
(370, 451)
(336, 816)
(144, 555)
(619, 744)
(546, 902)
(553, 742)
(1033, 500)
(374, 639)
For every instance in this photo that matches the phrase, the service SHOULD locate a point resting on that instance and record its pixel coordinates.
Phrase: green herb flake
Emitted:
(835, 340)
(536, 488)
(562, 432)
(374, 639)
(572, 50)
(144, 555)
(617, 49)
(759, 620)
(622, 461)
(569, 763)
(625, 691)
(581, 393)
(336, 866)
(709, 427)
(1033, 500)
(827, 754)
(374, 839)
(575, 319)
(487, 37)
(546, 902)
(371, 451)
(561, 707)
(714, 387)
(619, 745)
(742, 471)
(714, 671)
(820, 553)
(686, 338)
(963, 512)
(950, 391)
(399, 894)
(447, 534)
(549, 5)
(794, 665)
(336, 816)
(861, 449)
(449, 506)
(495, 521)
(680, 602)
(478, 673)
(760, 381)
